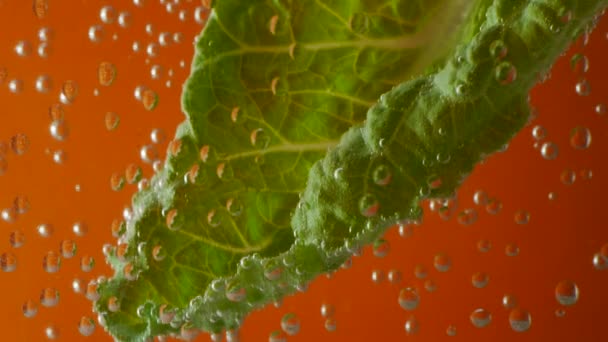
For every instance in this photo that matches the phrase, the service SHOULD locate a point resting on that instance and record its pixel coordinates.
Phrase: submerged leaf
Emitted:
(288, 162)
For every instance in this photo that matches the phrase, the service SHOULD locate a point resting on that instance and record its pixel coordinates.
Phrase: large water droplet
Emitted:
(566, 293)
(580, 138)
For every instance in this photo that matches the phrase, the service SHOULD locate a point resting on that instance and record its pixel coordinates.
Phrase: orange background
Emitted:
(558, 243)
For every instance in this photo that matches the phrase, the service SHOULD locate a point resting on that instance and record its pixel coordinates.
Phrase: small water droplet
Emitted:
(506, 73)
(583, 88)
(580, 138)
(481, 318)
(566, 293)
(522, 217)
(290, 323)
(368, 205)
(520, 320)
(409, 298)
(382, 175)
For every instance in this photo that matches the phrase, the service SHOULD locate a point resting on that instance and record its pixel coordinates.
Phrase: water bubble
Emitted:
(67, 248)
(480, 280)
(600, 109)
(125, 19)
(420, 271)
(520, 320)
(29, 308)
(467, 217)
(580, 138)
(16, 239)
(381, 248)
(330, 324)
(86, 326)
(59, 130)
(290, 323)
(23, 48)
(8, 262)
(579, 64)
(133, 173)
(49, 297)
(498, 49)
(539, 132)
(51, 332)
(480, 318)
(200, 14)
(549, 150)
(51, 262)
(451, 330)
(106, 73)
(44, 50)
(87, 263)
(9, 215)
(411, 326)
(77, 286)
(559, 313)
(235, 293)
(509, 301)
(69, 91)
(107, 14)
(44, 84)
(368, 205)
(583, 88)
(327, 310)
(522, 217)
(382, 175)
(480, 197)
(494, 206)
(506, 73)
(20, 143)
(566, 293)
(149, 99)
(15, 86)
(45, 230)
(394, 276)
(442, 262)
(96, 33)
(117, 181)
(599, 262)
(40, 8)
(152, 50)
(59, 156)
(378, 276)
(164, 38)
(91, 291)
(512, 249)
(409, 298)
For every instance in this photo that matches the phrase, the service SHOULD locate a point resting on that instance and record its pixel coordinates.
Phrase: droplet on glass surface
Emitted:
(583, 88)
(86, 326)
(579, 64)
(8, 262)
(411, 326)
(480, 318)
(20, 143)
(520, 320)
(96, 33)
(51, 332)
(442, 262)
(580, 138)
(59, 130)
(549, 150)
(29, 308)
(368, 205)
(522, 217)
(17, 239)
(69, 92)
(480, 197)
(566, 293)
(290, 323)
(45, 230)
(51, 262)
(409, 298)
(106, 73)
(539, 132)
(49, 297)
(480, 280)
(44, 84)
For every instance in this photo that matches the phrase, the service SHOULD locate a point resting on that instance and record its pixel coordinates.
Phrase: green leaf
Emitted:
(312, 127)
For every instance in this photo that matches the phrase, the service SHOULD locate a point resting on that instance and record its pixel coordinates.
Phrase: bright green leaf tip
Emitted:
(313, 125)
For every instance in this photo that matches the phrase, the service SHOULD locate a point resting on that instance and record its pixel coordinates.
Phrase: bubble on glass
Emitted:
(566, 293)
(112, 120)
(106, 73)
(29, 308)
(77, 285)
(69, 92)
(467, 217)
(480, 197)
(16, 239)
(59, 130)
(86, 326)
(381, 248)
(20, 144)
(480, 280)
(51, 262)
(412, 326)
(125, 19)
(583, 88)
(480, 318)
(8, 262)
(59, 156)
(67, 248)
(107, 14)
(149, 98)
(44, 50)
(451, 330)
(408, 298)
(80, 228)
(40, 8)
(9, 215)
(49, 297)
(377, 276)
(520, 320)
(51, 332)
(600, 108)
(512, 249)
(521, 216)
(44, 84)
(579, 64)
(96, 33)
(549, 150)
(395, 276)
(442, 262)
(290, 323)
(580, 138)
(23, 48)
(87, 263)
(45, 230)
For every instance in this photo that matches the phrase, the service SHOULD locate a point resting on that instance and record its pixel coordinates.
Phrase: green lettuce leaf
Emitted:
(312, 126)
